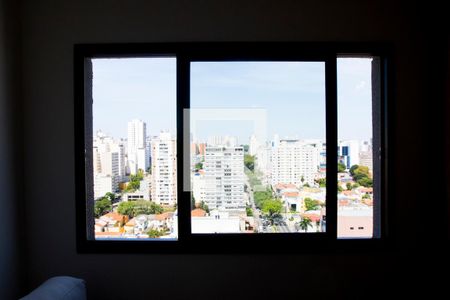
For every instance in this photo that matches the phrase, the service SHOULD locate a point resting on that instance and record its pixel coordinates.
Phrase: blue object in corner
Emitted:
(59, 288)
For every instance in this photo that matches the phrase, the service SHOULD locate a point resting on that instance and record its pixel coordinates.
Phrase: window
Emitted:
(358, 140)
(226, 146)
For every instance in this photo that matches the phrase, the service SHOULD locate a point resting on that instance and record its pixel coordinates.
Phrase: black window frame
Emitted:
(186, 53)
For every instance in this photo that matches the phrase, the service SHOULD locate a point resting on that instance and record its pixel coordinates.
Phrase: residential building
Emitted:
(217, 222)
(254, 145)
(294, 161)
(198, 186)
(263, 163)
(355, 221)
(224, 177)
(108, 164)
(164, 170)
(138, 156)
(348, 153)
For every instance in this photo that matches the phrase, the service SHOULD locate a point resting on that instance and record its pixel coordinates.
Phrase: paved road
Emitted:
(258, 220)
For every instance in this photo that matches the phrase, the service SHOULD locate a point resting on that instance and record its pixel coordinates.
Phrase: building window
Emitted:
(180, 146)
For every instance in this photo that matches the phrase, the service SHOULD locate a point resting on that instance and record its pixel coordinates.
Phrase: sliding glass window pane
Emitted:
(356, 140)
(134, 174)
(257, 147)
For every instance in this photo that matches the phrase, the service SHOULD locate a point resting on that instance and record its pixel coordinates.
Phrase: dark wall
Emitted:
(50, 28)
(10, 235)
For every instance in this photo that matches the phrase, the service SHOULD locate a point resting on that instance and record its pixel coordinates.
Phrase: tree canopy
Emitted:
(341, 167)
(134, 208)
(311, 204)
(361, 175)
(198, 166)
(272, 206)
(305, 223)
(249, 161)
(102, 206)
(261, 196)
(321, 182)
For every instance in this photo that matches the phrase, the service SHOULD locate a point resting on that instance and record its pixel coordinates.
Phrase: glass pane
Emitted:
(356, 164)
(134, 148)
(257, 147)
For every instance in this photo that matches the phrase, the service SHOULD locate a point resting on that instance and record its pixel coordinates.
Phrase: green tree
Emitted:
(358, 172)
(110, 196)
(102, 206)
(261, 196)
(249, 211)
(341, 167)
(365, 182)
(154, 233)
(143, 207)
(349, 186)
(139, 207)
(321, 182)
(305, 223)
(199, 166)
(204, 206)
(339, 187)
(366, 196)
(306, 185)
(132, 186)
(272, 207)
(249, 161)
(192, 203)
(126, 208)
(311, 204)
(352, 169)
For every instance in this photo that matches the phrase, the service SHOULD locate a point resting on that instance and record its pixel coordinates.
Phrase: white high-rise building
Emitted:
(108, 164)
(366, 155)
(164, 169)
(198, 187)
(224, 178)
(254, 145)
(227, 140)
(294, 161)
(262, 163)
(138, 156)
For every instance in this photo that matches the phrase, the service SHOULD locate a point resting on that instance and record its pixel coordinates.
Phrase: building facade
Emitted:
(164, 170)
(138, 156)
(224, 178)
(294, 161)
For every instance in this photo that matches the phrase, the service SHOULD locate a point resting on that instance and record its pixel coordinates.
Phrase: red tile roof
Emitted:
(312, 217)
(291, 194)
(163, 216)
(115, 216)
(198, 212)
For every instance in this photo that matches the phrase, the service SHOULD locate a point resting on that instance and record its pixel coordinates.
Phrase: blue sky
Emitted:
(291, 93)
(134, 88)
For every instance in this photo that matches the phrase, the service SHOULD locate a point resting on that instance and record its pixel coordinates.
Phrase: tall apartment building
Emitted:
(263, 163)
(224, 177)
(164, 169)
(254, 145)
(348, 152)
(227, 141)
(138, 156)
(294, 160)
(108, 164)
